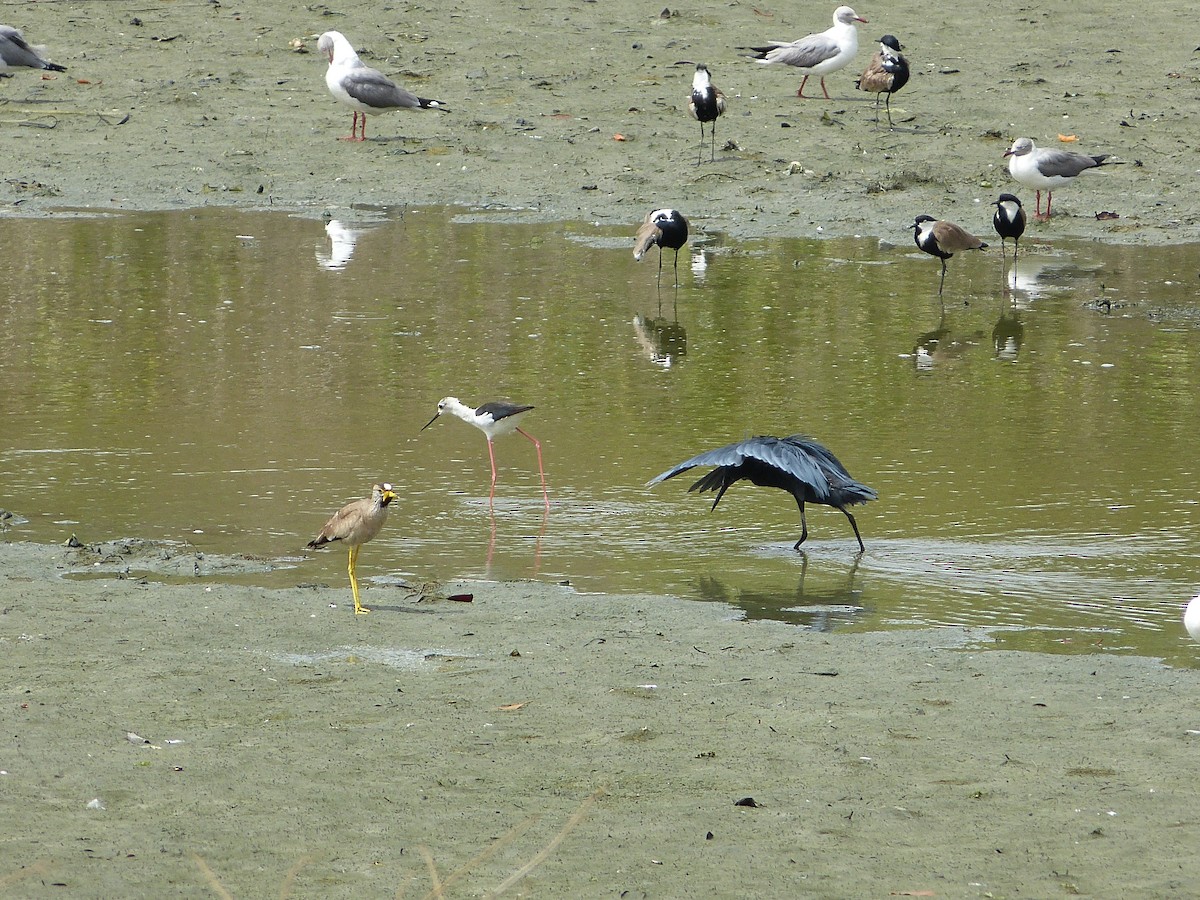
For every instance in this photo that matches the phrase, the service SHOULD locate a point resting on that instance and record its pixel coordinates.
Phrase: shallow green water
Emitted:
(231, 379)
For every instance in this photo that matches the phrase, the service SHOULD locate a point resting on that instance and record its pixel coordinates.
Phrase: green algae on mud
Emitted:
(210, 104)
(171, 739)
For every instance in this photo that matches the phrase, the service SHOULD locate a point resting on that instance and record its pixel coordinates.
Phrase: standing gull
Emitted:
(885, 74)
(817, 54)
(666, 228)
(355, 524)
(494, 419)
(1044, 170)
(15, 53)
(365, 90)
(943, 240)
(706, 104)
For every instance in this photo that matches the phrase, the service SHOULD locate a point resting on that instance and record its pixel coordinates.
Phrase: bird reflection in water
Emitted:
(662, 340)
(824, 608)
(1007, 335)
(342, 241)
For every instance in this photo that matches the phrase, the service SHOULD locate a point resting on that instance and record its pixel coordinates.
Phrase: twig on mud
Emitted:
(545, 852)
(289, 880)
(211, 877)
(504, 840)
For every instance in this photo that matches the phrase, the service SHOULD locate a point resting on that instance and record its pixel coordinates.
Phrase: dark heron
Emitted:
(886, 73)
(1009, 221)
(1044, 169)
(664, 228)
(795, 464)
(943, 240)
(706, 104)
(355, 524)
(494, 419)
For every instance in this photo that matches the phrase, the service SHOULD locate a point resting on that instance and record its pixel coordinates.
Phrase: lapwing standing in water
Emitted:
(664, 228)
(706, 104)
(15, 53)
(1044, 170)
(365, 90)
(1009, 221)
(816, 54)
(886, 73)
(796, 464)
(943, 240)
(495, 419)
(355, 524)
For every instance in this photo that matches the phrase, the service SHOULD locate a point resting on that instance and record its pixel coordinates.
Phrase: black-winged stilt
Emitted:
(796, 464)
(355, 524)
(1009, 221)
(943, 240)
(816, 54)
(1044, 170)
(886, 73)
(706, 104)
(365, 90)
(15, 53)
(666, 228)
(495, 419)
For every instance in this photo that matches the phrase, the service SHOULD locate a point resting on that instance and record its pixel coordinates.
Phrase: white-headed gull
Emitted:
(817, 54)
(1044, 170)
(706, 104)
(15, 53)
(886, 73)
(943, 240)
(365, 90)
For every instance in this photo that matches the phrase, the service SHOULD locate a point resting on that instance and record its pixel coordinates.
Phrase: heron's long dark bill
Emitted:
(431, 421)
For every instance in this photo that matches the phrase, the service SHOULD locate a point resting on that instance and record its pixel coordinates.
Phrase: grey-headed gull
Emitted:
(886, 73)
(817, 54)
(1009, 221)
(1044, 170)
(943, 239)
(15, 53)
(365, 90)
(706, 104)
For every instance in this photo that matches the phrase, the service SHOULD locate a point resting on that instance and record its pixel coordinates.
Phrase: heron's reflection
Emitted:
(342, 240)
(820, 608)
(939, 346)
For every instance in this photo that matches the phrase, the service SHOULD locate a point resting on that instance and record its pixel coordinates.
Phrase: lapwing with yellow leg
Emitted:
(355, 524)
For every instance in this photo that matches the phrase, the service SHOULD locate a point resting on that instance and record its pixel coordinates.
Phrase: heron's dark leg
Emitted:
(676, 267)
(712, 133)
(660, 264)
(888, 104)
(942, 283)
(700, 154)
(854, 525)
(803, 524)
